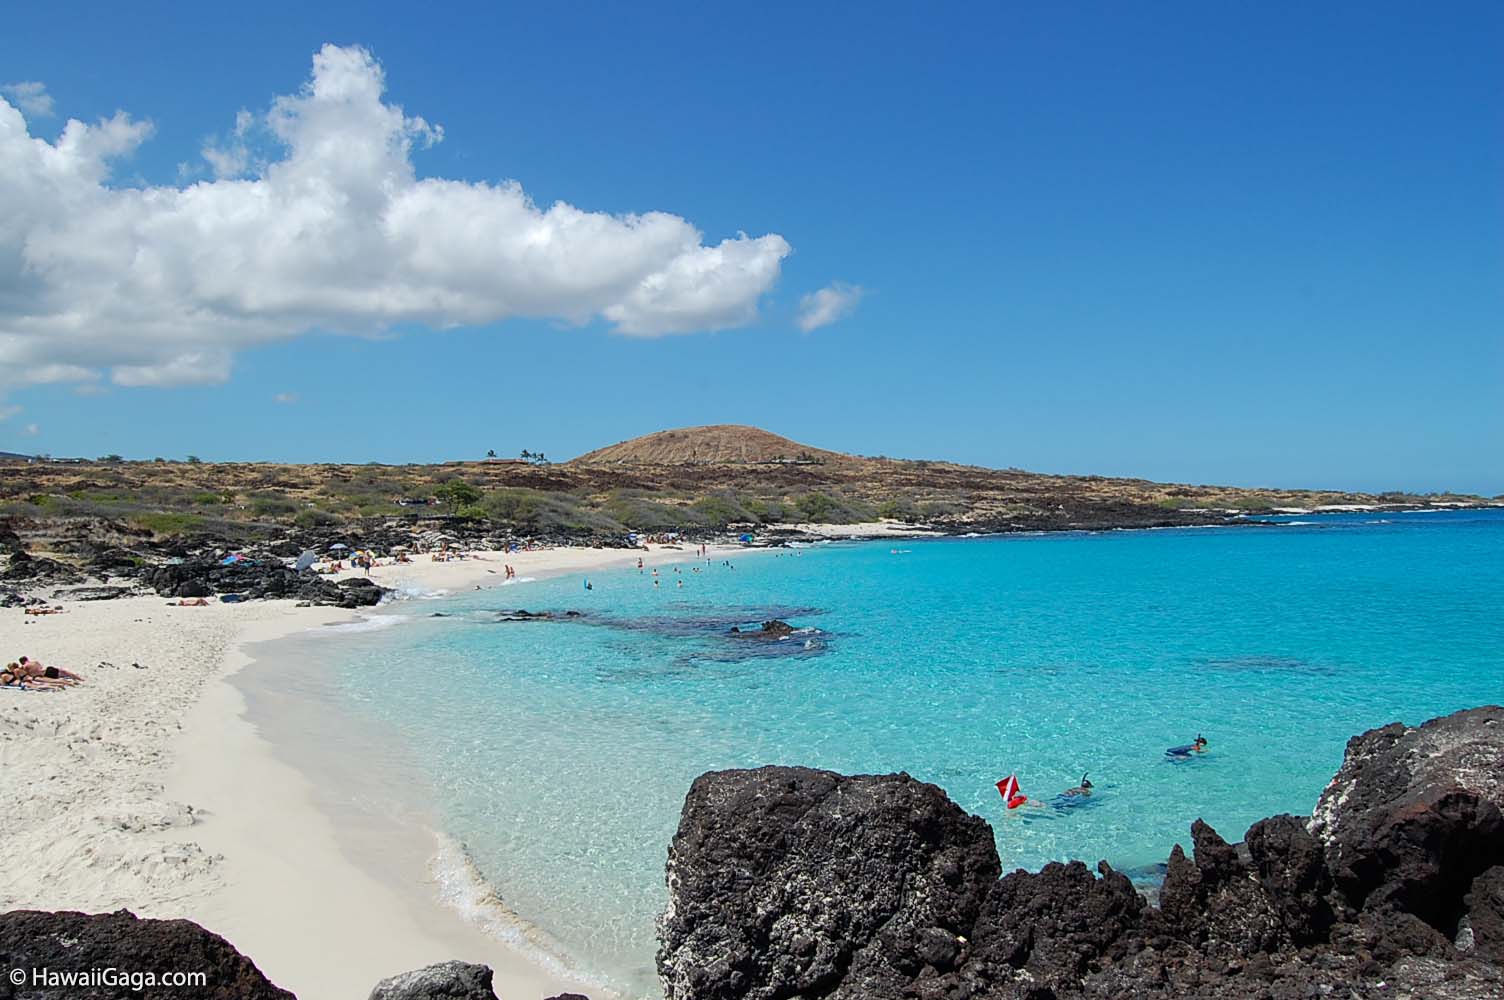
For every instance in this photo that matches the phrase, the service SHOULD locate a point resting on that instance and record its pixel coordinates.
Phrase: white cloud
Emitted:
(31, 97)
(834, 302)
(31, 430)
(6, 412)
(316, 219)
(285, 397)
(234, 158)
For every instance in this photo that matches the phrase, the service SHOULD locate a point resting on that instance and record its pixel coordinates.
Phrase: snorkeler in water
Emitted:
(1198, 745)
(1080, 791)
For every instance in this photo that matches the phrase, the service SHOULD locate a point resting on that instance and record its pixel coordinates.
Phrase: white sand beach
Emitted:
(146, 788)
(867, 529)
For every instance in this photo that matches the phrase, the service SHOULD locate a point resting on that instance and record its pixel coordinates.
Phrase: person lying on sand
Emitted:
(8, 679)
(11, 679)
(44, 611)
(34, 669)
(189, 602)
(15, 676)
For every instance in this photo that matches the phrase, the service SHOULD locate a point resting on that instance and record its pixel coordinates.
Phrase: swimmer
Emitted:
(1081, 790)
(1198, 745)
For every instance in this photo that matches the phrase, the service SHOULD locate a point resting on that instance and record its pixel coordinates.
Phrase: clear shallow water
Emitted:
(559, 752)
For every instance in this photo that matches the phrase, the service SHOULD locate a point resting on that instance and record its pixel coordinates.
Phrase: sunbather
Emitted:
(35, 670)
(11, 676)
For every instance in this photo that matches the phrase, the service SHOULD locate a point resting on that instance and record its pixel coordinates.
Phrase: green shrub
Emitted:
(207, 499)
(533, 511)
(898, 509)
(167, 522)
(456, 494)
(822, 508)
(273, 506)
(766, 511)
(642, 514)
(312, 517)
(721, 509)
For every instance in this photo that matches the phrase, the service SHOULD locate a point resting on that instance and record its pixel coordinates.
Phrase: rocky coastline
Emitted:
(99, 558)
(790, 882)
(787, 882)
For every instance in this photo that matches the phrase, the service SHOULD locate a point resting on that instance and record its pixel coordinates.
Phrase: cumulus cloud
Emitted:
(6, 412)
(31, 97)
(316, 219)
(834, 302)
(31, 430)
(285, 398)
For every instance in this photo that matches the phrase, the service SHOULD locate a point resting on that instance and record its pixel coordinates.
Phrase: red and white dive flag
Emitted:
(1008, 789)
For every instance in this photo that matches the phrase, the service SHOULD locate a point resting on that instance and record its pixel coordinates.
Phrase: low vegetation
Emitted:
(696, 480)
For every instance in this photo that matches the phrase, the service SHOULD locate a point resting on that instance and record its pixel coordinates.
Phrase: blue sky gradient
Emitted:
(1232, 243)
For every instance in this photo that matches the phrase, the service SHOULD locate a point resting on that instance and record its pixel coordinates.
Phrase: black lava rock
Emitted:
(442, 981)
(787, 882)
(80, 942)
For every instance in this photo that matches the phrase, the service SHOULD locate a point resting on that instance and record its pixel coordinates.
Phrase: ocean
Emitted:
(558, 752)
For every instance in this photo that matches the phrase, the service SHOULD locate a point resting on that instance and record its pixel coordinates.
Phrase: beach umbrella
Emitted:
(338, 545)
(307, 559)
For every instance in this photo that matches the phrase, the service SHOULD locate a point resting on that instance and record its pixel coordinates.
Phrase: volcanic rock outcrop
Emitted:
(790, 882)
(53, 950)
(260, 579)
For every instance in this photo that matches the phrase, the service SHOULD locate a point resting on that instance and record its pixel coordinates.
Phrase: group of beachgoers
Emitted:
(28, 674)
(641, 570)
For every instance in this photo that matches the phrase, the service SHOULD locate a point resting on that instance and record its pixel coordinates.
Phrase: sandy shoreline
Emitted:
(147, 788)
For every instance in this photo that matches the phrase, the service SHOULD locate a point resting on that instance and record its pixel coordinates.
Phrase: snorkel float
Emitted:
(1008, 789)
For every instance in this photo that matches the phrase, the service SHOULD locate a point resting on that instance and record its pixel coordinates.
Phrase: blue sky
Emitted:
(1233, 243)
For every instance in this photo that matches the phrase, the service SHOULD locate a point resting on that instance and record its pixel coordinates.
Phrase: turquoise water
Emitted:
(560, 752)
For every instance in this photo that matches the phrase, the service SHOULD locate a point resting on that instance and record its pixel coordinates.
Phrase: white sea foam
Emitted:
(368, 623)
(518, 579)
(411, 590)
(462, 888)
